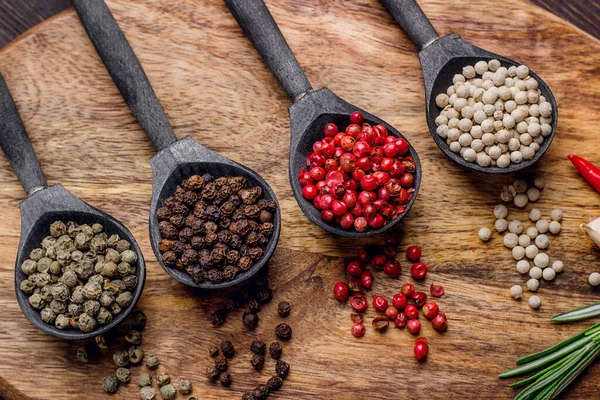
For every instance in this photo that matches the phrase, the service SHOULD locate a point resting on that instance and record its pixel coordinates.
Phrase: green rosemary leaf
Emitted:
(557, 346)
(577, 314)
(576, 371)
(564, 370)
(548, 358)
(546, 370)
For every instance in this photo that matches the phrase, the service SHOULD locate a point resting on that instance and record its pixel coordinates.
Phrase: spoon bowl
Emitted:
(46, 205)
(332, 109)
(443, 57)
(175, 160)
(311, 109)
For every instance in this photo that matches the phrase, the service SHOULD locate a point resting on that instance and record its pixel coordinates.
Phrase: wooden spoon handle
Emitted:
(125, 70)
(16, 145)
(413, 21)
(258, 24)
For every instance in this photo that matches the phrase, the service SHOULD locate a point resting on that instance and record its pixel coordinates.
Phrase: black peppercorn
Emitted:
(235, 199)
(227, 208)
(232, 257)
(248, 396)
(223, 194)
(284, 309)
(210, 239)
(163, 213)
(226, 379)
(227, 349)
(189, 257)
(230, 272)
(220, 181)
(275, 350)
(180, 209)
(167, 230)
(178, 247)
(215, 276)
(264, 295)
(265, 216)
(251, 239)
(209, 192)
(253, 306)
(189, 198)
(213, 351)
(250, 319)
(213, 213)
(186, 234)
(165, 245)
(282, 368)
(212, 373)
(221, 363)
(240, 227)
(283, 331)
(274, 383)
(258, 347)
(208, 178)
(194, 182)
(258, 361)
(169, 258)
(218, 317)
(245, 263)
(255, 253)
(236, 183)
(261, 392)
(235, 242)
(266, 229)
(231, 304)
(198, 242)
(252, 212)
(177, 220)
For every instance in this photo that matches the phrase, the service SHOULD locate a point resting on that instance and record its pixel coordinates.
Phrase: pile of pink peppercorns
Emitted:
(400, 312)
(359, 178)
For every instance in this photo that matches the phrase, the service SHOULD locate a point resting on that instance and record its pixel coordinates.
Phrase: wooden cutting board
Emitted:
(215, 88)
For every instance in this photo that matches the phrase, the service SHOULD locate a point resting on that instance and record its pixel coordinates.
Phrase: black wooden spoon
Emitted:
(311, 110)
(443, 57)
(175, 160)
(46, 205)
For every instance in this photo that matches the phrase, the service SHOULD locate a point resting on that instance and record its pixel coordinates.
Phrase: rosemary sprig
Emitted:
(557, 366)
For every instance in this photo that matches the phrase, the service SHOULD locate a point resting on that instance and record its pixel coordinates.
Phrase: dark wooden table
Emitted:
(16, 16)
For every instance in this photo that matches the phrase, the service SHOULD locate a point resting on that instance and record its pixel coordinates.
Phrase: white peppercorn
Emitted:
(518, 252)
(501, 225)
(441, 100)
(532, 232)
(469, 155)
(556, 215)
(481, 67)
(533, 285)
(533, 194)
(535, 214)
(511, 240)
(523, 266)
(548, 274)
(554, 227)
(535, 272)
(541, 260)
(485, 234)
(542, 226)
(558, 266)
(531, 251)
(493, 65)
(500, 211)
(524, 240)
(515, 226)
(516, 292)
(594, 279)
(521, 199)
(542, 241)
(534, 302)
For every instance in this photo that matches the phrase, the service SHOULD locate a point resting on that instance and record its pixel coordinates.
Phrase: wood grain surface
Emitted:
(16, 16)
(215, 88)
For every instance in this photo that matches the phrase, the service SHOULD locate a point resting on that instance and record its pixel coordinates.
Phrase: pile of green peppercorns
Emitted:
(80, 277)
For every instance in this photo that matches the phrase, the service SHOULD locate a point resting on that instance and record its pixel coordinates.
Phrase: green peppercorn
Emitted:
(136, 354)
(123, 374)
(104, 316)
(124, 299)
(137, 320)
(36, 301)
(48, 316)
(152, 361)
(27, 286)
(87, 323)
(82, 355)
(121, 358)
(185, 387)
(133, 337)
(101, 341)
(145, 380)
(163, 378)
(110, 384)
(129, 256)
(147, 393)
(168, 392)
(61, 322)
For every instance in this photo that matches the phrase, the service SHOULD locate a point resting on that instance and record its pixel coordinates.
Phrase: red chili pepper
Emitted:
(589, 171)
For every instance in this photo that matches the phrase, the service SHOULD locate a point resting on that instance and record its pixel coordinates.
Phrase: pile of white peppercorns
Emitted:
(493, 115)
(528, 244)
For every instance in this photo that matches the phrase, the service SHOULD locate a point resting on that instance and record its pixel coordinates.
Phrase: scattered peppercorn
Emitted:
(212, 373)
(261, 392)
(152, 361)
(110, 384)
(227, 349)
(258, 347)
(185, 386)
(258, 361)
(123, 374)
(221, 363)
(274, 383)
(168, 392)
(275, 350)
(82, 355)
(163, 378)
(204, 226)
(283, 331)
(226, 379)
(284, 309)
(282, 368)
(250, 319)
(145, 380)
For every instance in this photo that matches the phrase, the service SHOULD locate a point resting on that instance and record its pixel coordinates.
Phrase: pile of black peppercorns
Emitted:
(215, 228)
